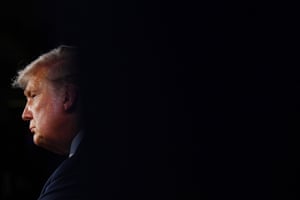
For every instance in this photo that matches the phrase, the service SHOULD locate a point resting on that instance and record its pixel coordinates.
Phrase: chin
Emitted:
(37, 139)
(40, 141)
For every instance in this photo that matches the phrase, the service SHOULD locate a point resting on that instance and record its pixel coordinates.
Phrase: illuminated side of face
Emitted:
(45, 113)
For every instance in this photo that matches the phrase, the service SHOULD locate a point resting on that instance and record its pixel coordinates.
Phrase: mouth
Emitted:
(32, 129)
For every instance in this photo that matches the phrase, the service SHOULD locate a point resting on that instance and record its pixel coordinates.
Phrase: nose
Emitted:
(26, 115)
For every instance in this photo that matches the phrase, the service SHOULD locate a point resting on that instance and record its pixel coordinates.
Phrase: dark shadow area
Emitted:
(183, 100)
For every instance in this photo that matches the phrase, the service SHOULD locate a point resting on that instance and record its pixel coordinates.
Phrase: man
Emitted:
(51, 86)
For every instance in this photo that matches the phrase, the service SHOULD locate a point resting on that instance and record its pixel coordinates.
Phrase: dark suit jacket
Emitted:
(69, 180)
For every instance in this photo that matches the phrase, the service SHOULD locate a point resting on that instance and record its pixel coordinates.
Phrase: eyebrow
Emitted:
(31, 88)
(28, 92)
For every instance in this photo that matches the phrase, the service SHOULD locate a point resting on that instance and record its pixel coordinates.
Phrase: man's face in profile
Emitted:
(44, 110)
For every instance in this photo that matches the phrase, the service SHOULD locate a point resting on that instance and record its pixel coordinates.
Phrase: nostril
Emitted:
(26, 115)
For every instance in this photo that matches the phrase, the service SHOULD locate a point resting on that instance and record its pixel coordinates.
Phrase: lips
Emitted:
(32, 129)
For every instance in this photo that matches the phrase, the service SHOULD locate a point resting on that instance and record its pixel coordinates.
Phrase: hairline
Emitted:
(62, 55)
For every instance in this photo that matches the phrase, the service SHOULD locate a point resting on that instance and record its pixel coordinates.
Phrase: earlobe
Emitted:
(70, 98)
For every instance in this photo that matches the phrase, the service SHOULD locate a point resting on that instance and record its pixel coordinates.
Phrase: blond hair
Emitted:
(60, 64)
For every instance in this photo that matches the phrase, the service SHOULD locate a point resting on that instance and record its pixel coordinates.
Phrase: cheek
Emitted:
(55, 106)
(46, 122)
(45, 112)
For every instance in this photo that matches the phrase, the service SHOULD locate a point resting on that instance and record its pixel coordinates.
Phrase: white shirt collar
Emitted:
(75, 143)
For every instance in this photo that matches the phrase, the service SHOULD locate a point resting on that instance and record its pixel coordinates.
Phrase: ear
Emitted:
(70, 97)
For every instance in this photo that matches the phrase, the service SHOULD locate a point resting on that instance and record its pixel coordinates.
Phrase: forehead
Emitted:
(33, 84)
(35, 79)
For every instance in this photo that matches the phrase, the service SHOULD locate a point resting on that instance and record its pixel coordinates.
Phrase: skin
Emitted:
(48, 112)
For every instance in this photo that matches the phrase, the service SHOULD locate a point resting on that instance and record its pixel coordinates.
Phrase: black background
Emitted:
(197, 101)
